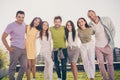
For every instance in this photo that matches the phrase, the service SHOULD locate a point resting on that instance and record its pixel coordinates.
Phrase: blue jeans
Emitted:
(63, 64)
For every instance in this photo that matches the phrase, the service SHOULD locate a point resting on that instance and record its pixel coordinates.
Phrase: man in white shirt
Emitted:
(104, 34)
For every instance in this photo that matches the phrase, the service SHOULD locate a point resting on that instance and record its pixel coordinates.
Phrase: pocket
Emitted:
(13, 51)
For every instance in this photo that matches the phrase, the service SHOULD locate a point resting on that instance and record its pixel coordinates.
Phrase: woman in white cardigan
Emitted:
(73, 46)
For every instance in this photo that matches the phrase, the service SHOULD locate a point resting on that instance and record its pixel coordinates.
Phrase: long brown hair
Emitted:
(32, 23)
(86, 24)
(73, 30)
(41, 32)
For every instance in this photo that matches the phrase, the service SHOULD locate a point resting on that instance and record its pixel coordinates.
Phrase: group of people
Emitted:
(60, 43)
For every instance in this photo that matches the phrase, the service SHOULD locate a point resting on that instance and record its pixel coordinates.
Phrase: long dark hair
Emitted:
(41, 32)
(39, 26)
(86, 24)
(73, 30)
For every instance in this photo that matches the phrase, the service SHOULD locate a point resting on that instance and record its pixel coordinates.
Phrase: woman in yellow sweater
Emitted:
(32, 31)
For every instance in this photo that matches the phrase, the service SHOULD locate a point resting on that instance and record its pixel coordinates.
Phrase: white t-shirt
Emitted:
(100, 35)
(77, 42)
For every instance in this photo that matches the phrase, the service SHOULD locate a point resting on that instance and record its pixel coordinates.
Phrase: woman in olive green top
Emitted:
(87, 47)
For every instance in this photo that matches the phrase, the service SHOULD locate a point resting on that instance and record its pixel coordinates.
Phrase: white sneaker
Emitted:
(59, 79)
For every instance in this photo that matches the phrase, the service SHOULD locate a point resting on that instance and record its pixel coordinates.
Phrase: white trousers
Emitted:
(48, 70)
(88, 58)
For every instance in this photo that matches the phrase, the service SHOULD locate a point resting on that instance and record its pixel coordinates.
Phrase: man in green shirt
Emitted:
(59, 45)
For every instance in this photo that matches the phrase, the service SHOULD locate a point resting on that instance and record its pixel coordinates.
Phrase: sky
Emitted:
(67, 9)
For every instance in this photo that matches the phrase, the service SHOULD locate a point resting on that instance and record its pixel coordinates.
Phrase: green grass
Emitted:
(81, 76)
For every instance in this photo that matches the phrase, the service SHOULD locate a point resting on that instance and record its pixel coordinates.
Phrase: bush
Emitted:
(4, 59)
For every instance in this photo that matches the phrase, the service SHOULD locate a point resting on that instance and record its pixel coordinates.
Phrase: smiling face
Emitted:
(45, 26)
(57, 23)
(20, 18)
(81, 23)
(92, 16)
(69, 26)
(36, 22)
